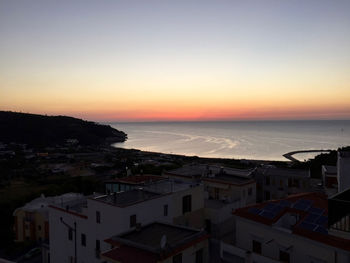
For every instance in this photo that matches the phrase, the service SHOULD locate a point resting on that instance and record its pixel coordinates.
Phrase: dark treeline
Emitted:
(40, 130)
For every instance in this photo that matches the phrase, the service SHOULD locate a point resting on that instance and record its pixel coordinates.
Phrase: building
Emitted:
(31, 222)
(294, 229)
(195, 172)
(343, 166)
(78, 228)
(225, 189)
(158, 242)
(330, 179)
(277, 183)
(130, 182)
(339, 214)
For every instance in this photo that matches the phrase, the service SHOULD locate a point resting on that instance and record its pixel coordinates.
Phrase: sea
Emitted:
(258, 140)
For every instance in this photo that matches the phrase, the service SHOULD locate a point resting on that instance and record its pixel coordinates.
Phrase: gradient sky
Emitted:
(176, 60)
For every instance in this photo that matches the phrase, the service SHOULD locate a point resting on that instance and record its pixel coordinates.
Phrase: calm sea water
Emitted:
(265, 140)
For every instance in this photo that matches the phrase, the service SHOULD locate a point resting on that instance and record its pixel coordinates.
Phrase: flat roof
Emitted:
(127, 198)
(137, 179)
(146, 241)
(275, 171)
(197, 170)
(227, 178)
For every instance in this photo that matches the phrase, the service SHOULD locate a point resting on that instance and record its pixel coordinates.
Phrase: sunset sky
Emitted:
(176, 60)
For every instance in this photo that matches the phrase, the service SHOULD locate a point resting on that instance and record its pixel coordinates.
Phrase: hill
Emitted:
(40, 130)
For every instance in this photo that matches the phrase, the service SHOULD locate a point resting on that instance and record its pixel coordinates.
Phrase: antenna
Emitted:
(163, 242)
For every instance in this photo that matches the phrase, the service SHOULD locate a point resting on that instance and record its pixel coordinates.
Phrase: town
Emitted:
(118, 205)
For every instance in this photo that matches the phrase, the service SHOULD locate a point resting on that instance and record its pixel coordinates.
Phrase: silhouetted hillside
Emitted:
(50, 130)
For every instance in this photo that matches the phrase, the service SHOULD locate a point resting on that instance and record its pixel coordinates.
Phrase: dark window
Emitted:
(186, 204)
(256, 247)
(267, 180)
(98, 244)
(177, 258)
(199, 256)
(250, 191)
(39, 228)
(132, 220)
(165, 210)
(98, 248)
(267, 195)
(284, 256)
(70, 233)
(98, 217)
(83, 240)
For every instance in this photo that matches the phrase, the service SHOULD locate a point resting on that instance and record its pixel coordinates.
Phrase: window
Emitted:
(98, 248)
(83, 240)
(98, 217)
(199, 256)
(165, 211)
(186, 204)
(267, 180)
(39, 227)
(70, 234)
(177, 258)
(267, 195)
(132, 220)
(256, 247)
(284, 256)
(250, 191)
(98, 244)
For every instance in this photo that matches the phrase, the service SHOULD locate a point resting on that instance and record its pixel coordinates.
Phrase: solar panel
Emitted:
(316, 210)
(309, 226)
(322, 230)
(311, 218)
(300, 206)
(304, 202)
(269, 206)
(284, 203)
(254, 210)
(322, 220)
(273, 208)
(268, 214)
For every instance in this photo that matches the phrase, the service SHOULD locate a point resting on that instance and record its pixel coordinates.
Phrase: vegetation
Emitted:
(40, 130)
(19, 192)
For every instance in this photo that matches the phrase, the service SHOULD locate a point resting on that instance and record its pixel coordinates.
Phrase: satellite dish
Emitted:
(163, 242)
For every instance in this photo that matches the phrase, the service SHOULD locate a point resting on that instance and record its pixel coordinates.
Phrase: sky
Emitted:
(110, 60)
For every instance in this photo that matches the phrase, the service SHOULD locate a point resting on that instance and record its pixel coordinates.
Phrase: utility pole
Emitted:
(75, 237)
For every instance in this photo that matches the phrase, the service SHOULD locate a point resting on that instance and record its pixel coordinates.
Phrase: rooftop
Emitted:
(137, 179)
(41, 203)
(203, 170)
(310, 209)
(275, 171)
(127, 198)
(152, 242)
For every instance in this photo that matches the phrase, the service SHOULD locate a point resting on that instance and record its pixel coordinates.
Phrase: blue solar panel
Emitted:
(254, 210)
(315, 210)
(268, 214)
(284, 203)
(322, 230)
(322, 220)
(301, 206)
(311, 218)
(304, 202)
(273, 208)
(309, 226)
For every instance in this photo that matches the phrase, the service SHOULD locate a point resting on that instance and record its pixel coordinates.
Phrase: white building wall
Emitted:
(343, 166)
(114, 220)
